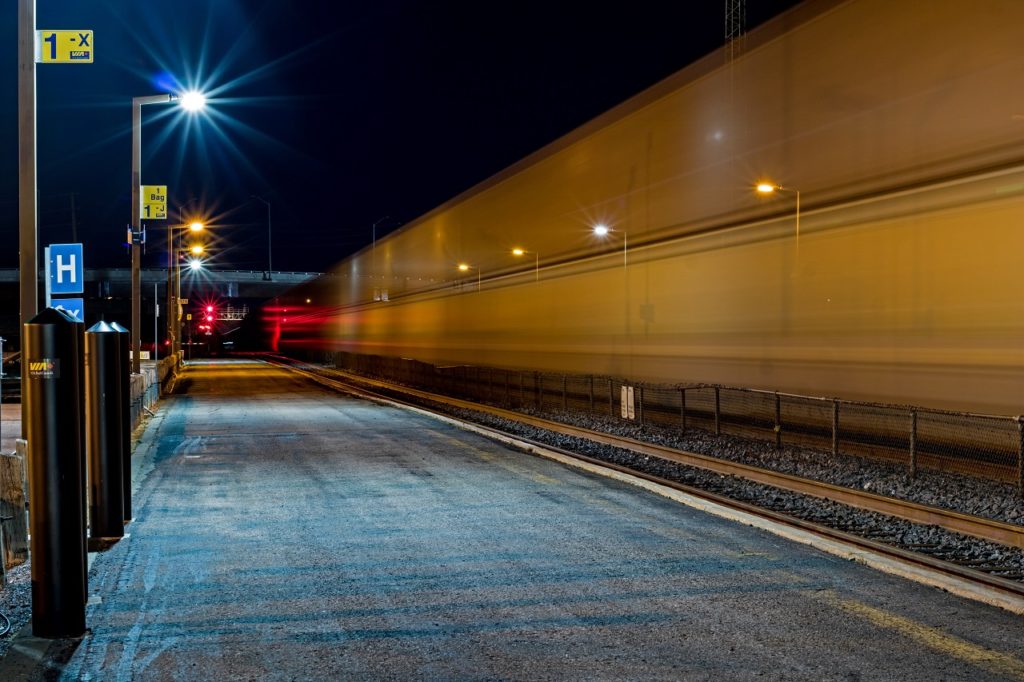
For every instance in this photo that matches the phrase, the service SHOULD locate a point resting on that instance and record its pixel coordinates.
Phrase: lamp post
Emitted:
(195, 226)
(771, 188)
(270, 267)
(174, 276)
(465, 267)
(602, 230)
(191, 101)
(536, 261)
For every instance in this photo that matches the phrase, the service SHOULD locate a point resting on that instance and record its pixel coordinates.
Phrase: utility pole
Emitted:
(28, 263)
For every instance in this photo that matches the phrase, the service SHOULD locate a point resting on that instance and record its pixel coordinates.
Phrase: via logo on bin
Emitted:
(46, 368)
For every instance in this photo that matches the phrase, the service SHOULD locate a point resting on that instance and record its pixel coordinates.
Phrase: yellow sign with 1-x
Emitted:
(154, 202)
(64, 47)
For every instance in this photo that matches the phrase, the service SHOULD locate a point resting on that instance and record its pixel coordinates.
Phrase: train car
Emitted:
(885, 264)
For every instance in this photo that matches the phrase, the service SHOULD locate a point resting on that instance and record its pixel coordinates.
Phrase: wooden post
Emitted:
(508, 402)
(565, 395)
(913, 443)
(835, 427)
(522, 393)
(778, 421)
(682, 407)
(12, 504)
(591, 392)
(641, 405)
(718, 412)
(538, 390)
(611, 400)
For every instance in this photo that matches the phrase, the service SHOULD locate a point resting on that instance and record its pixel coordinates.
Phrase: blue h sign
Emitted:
(67, 274)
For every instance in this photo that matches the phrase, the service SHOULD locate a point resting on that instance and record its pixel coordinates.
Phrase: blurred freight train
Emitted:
(888, 264)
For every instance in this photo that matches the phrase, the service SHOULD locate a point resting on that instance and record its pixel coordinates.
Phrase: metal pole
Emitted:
(136, 330)
(835, 427)
(178, 332)
(536, 266)
(28, 263)
(171, 334)
(156, 326)
(913, 443)
(778, 421)
(136, 234)
(270, 247)
(1020, 453)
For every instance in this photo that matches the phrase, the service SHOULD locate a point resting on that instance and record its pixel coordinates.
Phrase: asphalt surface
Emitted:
(286, 532)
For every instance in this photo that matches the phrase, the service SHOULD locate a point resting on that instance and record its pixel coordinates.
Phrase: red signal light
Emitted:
(209, 308)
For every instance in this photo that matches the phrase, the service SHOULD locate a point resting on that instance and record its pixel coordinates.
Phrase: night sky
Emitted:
(338, 113)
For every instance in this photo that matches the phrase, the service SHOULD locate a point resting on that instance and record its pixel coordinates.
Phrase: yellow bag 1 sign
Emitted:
(154, 202)
(64, 47)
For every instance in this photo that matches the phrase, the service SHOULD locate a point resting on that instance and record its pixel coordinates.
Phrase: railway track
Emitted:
(812, 506)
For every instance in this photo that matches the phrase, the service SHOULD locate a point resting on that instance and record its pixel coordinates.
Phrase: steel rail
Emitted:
(966, 524)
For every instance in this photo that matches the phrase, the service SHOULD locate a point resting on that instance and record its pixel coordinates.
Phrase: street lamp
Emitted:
(536, 260)
(602, 230)
(270, 267)
(192, 101)
(771, 188)
(465, 267)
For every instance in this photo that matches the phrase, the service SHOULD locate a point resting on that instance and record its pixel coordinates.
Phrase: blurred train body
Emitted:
(900, 123)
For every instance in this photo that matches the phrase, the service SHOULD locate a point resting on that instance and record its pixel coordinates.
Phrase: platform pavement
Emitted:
(286, 532)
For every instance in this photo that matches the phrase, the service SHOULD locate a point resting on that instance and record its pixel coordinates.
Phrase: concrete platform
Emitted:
(286, 532)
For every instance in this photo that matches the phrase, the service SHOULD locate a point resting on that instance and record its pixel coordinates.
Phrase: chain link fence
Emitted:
(982, 446)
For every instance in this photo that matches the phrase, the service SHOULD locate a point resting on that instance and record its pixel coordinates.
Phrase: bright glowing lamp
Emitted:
(601, 230)
(463, 267)
(195, 264)
(518, 252)
(196, 249)
(193, 100)
(196, 226)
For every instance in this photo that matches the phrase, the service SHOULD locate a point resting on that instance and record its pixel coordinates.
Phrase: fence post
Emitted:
(611, 400)
(718, 412)
(522, 393)
(682, 407)
(508, 402)
(538, 391)
(913, 443)
(835, 427)
(591, 392)
(778, 421)
(1020, 454)
(641, 405)
(565, 396)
